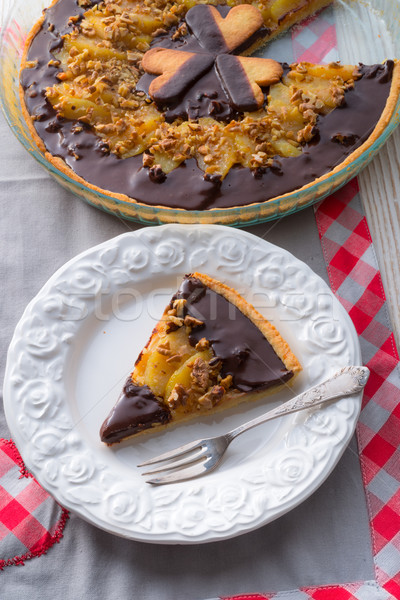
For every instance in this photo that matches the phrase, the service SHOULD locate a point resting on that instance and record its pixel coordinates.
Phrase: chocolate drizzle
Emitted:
(338, 134)
(177, 86)
(236, 83)
(137, 409)
(206, 30)
(240, 346)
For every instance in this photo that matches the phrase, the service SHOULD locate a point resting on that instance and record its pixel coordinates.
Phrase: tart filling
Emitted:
(210, 351)
(152, 101)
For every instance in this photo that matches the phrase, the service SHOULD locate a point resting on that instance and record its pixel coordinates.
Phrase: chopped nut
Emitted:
(263, 147)
(226, 382)
(192, 321)
(349, 85)
(178, 396)
(204, 150)
(173, 323)
(156, 174)
(212, 397)
(305, 134)
(296, 95)
(179, 305)
(176, 320)
(133, 56)
(200, 374)
(164, 349)
(309, 115)
(202, 344)
(158, 32)
(301, 68)
(338, 96)
(148, 160)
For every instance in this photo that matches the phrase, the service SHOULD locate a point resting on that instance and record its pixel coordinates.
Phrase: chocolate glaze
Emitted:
(186, 187)
(201, 23)
(236, 83)
(183, 79)
(137, 409)
(236, 341)
(206, 97)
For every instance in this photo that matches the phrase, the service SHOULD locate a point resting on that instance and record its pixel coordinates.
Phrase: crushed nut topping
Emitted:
(200, 374)
(100, 66)
(178, 397)
(179, 305)
(212, 397)
(192, 321)
(148, 160)
(202, 344)
(163, 349)
(173, 323)
(226, 382)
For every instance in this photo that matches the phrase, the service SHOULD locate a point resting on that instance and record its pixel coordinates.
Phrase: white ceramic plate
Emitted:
(77, 342)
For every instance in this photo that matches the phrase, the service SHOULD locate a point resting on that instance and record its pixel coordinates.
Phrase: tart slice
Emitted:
(210, 351)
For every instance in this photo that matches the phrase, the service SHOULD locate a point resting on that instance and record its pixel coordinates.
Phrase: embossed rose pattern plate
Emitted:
(78, 339)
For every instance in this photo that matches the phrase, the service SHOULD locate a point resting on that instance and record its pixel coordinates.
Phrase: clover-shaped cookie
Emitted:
(242, 78)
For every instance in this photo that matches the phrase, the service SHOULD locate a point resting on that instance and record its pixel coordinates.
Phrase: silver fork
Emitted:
(203, 456)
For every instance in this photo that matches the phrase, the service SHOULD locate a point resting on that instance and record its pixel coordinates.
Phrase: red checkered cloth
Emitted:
(30, 520)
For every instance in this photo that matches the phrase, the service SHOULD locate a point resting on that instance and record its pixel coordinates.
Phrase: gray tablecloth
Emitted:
(325, 540)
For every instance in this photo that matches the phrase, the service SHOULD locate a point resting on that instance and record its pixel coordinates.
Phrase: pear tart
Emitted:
(161, 103)
(210, 351)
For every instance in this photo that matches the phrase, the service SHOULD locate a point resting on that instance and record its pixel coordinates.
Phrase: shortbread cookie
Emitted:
(158, 103)
(210, 351)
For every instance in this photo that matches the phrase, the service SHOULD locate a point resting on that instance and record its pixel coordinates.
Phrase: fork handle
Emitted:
(345, 382)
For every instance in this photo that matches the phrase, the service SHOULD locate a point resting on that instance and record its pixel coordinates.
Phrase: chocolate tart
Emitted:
(159, 103)
(210, 351)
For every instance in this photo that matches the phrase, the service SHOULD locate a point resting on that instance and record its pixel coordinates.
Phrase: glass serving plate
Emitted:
(367, 31)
